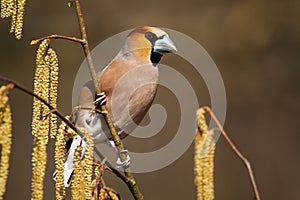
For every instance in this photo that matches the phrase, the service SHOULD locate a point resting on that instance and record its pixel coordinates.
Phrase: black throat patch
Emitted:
(155, 57)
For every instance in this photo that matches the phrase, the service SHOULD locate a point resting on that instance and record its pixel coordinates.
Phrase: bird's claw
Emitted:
(126, 163)
(100, 99)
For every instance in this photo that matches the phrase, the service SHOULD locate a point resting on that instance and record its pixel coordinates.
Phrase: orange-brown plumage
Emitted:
(129, 82)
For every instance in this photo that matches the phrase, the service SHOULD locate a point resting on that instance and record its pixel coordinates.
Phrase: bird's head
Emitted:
(149, 43)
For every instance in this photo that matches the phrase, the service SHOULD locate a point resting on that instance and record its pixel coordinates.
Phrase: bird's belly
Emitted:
(95, 124)
(128, 111)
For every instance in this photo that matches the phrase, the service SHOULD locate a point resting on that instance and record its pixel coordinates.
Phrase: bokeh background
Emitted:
(255, 44)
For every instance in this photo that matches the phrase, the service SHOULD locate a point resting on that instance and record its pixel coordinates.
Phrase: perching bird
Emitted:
(129, 83)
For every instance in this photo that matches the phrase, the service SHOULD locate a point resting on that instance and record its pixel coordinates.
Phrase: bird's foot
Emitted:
(100, 99)
(126, 163)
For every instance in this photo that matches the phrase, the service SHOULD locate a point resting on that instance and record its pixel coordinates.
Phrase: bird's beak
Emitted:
(164, 45)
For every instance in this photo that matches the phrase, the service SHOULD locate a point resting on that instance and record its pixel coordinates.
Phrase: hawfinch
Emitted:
(129, 83)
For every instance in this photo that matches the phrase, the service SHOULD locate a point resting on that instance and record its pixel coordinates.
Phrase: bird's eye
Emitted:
(149, 35)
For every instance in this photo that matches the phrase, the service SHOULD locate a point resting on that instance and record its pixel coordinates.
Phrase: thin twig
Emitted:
(236, 151)
(85, 46)
(110, 168)
(55, 36)
(131, 183)
(118, 174)
(27, 91)
(124, 178)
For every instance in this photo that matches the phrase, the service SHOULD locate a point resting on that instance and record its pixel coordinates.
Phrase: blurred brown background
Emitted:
(255, 44)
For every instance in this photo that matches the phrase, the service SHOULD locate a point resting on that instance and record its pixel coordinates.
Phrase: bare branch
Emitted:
(85, 46)
(27, 91)
(74, 39)
(131, 183)
(236, 151)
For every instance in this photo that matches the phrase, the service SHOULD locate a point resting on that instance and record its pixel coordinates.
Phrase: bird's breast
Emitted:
(131, 96)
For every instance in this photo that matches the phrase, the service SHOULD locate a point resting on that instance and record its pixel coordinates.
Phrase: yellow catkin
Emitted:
(108, 194)
(198, 170)
(60, 144)
(82, 184)
(7, 7)
(14, 9)
(204, 159)
(42, 118)
(78, 176)
(96, 181)
(45, 85)
(13, 17)
(5, 137)
(39, 89)
(19, 19)
(88, 163)
(53, 64)
(39, 159)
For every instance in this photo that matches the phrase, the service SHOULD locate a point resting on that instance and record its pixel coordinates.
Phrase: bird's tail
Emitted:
(69, 165)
